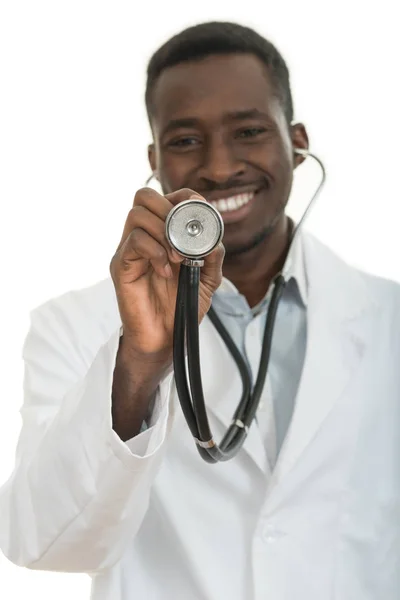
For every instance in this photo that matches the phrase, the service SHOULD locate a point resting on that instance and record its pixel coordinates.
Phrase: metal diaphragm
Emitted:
(194, 228)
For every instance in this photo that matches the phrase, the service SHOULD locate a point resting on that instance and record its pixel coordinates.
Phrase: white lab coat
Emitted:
(150, 520)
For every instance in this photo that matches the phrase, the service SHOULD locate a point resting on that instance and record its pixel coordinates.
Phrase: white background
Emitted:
(73, 139)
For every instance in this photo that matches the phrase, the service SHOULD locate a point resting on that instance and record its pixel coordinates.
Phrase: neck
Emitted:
(252, 272)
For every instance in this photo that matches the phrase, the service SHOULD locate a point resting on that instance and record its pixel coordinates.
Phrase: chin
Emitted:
(233, 250)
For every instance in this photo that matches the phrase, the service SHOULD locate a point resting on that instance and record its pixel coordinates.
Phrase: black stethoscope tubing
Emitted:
(190, 392)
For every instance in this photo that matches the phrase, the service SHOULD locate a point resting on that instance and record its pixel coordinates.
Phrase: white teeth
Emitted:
(222, 205)
(233, 202)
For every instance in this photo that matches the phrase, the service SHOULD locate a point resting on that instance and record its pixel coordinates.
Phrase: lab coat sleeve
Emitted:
(78, 494)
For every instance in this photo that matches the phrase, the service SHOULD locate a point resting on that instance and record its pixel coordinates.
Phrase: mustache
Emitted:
(232, 184)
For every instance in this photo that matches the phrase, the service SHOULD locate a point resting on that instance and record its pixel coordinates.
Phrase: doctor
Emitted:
(107, 478)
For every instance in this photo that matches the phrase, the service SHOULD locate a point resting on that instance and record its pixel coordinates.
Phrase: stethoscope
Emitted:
(194, 228)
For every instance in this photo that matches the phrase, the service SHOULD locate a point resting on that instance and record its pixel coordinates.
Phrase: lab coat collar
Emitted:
(338, 304)
(295, 268)
(339, 318)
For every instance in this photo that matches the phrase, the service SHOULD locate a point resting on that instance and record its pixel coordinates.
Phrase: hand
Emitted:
(145, 273)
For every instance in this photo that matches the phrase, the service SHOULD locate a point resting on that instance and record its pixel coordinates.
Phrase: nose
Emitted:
(220, 162)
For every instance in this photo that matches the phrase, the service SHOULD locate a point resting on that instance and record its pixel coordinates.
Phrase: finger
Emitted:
(138, 250)
(153, 201)
(157, 204)
(143, 218)
(211, 272)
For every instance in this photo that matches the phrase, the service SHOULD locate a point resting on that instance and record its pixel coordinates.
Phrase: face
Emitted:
(220, 129)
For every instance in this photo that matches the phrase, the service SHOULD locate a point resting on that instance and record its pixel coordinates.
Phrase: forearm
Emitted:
(135, 383)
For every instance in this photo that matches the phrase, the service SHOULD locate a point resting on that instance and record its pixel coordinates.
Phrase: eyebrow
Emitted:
(179, 124)
(239, 115)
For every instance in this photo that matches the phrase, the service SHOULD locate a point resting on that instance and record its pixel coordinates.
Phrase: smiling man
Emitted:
(222, 126)
(108, 480)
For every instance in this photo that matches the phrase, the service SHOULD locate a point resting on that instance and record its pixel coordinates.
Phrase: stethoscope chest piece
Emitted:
(194, 228)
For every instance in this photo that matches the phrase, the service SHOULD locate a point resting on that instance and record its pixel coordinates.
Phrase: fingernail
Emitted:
(168, 270)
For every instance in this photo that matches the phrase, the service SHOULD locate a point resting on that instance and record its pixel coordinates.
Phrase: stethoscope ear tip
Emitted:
(301, 151)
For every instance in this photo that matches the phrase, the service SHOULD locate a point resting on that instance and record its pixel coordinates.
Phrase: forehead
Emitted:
(211, 87)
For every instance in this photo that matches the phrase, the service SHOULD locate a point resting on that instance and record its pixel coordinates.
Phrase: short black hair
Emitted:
(207, 39)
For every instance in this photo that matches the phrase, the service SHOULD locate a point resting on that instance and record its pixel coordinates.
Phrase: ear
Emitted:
(299, 140)
(151, 153)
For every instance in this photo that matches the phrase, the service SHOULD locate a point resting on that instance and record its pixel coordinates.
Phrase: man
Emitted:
(108, 480)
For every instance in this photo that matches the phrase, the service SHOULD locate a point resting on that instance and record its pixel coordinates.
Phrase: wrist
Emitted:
(152, 361)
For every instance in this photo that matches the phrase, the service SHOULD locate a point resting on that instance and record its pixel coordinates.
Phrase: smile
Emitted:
(232, 203)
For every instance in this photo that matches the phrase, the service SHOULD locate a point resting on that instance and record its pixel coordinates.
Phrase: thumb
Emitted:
(211, 272)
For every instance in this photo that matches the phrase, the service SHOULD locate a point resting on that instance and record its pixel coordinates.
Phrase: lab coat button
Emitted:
(270, 535)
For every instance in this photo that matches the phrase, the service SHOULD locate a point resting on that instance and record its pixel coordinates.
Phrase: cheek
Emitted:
(175, 172)
(282, 164)
(274, 155)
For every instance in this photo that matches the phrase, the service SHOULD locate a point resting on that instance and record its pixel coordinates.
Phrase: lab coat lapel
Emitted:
(336, 342)
(222, 389)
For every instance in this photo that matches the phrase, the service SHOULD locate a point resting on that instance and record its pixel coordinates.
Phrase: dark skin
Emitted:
(219, 128)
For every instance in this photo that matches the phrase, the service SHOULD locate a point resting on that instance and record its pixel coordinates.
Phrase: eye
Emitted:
(251, 132)
(184, 142)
